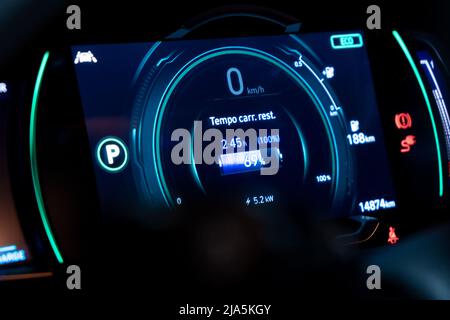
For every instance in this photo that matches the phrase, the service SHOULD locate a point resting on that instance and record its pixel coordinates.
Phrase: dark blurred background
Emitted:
(27, 24)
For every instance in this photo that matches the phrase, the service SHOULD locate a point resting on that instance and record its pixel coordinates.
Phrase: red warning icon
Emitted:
(403, 120)
(392, 239)
(407, 143)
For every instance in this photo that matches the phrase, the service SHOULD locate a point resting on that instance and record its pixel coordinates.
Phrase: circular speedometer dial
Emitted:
(243, 126)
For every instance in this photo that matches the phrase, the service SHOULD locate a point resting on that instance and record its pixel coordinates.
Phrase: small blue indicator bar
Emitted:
(8, 248)
(10, 254)
(346, 41)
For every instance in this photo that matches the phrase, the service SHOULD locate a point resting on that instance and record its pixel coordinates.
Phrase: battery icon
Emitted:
(346, 41)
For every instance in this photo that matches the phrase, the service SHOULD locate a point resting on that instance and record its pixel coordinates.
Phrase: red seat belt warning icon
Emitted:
(403, 120)
(392, 239)
(407, 143)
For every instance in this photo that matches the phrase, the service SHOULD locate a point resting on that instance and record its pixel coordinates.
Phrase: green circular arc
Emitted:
(34, 163)
(228, 51)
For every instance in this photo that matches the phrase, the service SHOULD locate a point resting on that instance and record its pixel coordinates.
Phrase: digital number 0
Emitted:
(230, 82)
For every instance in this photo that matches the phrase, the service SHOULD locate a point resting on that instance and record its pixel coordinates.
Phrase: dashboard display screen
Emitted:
(255, 123)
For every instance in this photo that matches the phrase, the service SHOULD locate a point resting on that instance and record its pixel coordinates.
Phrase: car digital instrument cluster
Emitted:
(253, 123)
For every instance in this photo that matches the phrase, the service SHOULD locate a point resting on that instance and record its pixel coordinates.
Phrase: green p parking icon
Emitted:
(112, 154)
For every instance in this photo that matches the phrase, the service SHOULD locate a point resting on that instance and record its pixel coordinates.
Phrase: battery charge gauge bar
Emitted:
(248, 161)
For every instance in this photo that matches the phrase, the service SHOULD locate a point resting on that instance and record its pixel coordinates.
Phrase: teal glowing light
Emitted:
(100, 161)
(346, 41)
(33, 160)
(427, 102)
(144, 60)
